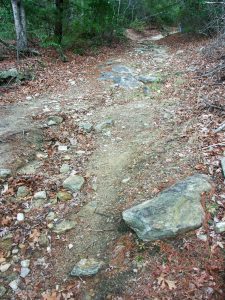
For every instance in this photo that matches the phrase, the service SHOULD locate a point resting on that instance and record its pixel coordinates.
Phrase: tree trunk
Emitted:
(20, 24)
(59, 20)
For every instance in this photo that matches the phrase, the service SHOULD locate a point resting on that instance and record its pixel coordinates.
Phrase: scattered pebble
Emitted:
(20, 217)
(14, 284)
(62, 148)
(25, 263)
(4, 267)
(24, 272)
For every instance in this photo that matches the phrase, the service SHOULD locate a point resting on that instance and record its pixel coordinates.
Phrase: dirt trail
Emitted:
(144, 147)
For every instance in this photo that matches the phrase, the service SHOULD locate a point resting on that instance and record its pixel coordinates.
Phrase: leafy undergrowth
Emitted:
(188, 267)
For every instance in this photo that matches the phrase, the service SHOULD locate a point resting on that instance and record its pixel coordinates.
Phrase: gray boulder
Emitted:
(176, 210)
(86, 267)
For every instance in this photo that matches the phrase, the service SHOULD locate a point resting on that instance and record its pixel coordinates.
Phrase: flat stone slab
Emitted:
(176, 210)
(86, 267)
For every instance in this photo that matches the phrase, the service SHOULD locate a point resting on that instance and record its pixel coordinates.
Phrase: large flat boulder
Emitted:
(176, 210)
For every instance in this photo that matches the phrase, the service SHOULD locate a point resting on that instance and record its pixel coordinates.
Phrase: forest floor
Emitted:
(149, 138)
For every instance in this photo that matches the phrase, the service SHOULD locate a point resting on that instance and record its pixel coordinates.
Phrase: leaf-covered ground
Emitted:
(156, 140)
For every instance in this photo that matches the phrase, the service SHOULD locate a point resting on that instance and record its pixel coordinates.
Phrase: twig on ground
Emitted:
(220, 128)
(213, 145)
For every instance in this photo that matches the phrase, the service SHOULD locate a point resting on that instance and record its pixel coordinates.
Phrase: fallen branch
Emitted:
(212, 105)
(220, 128)
(213, 145)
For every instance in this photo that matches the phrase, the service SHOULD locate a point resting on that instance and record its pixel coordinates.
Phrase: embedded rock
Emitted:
(4, 173)
(86, 267)
(176, 210)
(54, 120)
(64, 226)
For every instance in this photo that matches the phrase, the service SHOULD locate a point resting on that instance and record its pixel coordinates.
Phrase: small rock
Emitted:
(20, 217)
(223, 165)
(64, 226)
(67, 158)
(4, 267)
(50, 216)
(104, 125)
(125, 180)
(24, 272)
(220, 227)
(15, 251)
(62, 148)
(25, 263)
(43, 240)
(41, 155)
(65, 168)
(22, 191)
(28, 98)
(70, 246)
(40, 195)
(87, 267)
(64, 196)
(87, 127)
(4, 173)
(54, 120)
(14, 284)
(2, 290)
(73, 183)
(202, 237)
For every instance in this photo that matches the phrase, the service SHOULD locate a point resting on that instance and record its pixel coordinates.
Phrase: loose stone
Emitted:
(14, 284)
(25, 263)
(62, 148)
(65, 168)
(73, 183)
(64, 196)
(223, 165)
(4, 267)
(87, 267)
(22, 192)
(220, 227)
(64, 226)
(87, 127)
(2, 290)
(40, 195)
(24, 272)
(20, 217)
(43, 240)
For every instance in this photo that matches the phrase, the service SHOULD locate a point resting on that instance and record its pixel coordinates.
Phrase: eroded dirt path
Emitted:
(144, 150)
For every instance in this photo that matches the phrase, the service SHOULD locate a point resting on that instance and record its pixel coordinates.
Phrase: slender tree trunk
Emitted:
(20, 24)
(59, 20)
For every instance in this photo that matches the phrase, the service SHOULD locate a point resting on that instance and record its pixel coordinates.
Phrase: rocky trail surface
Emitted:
(77, 161)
